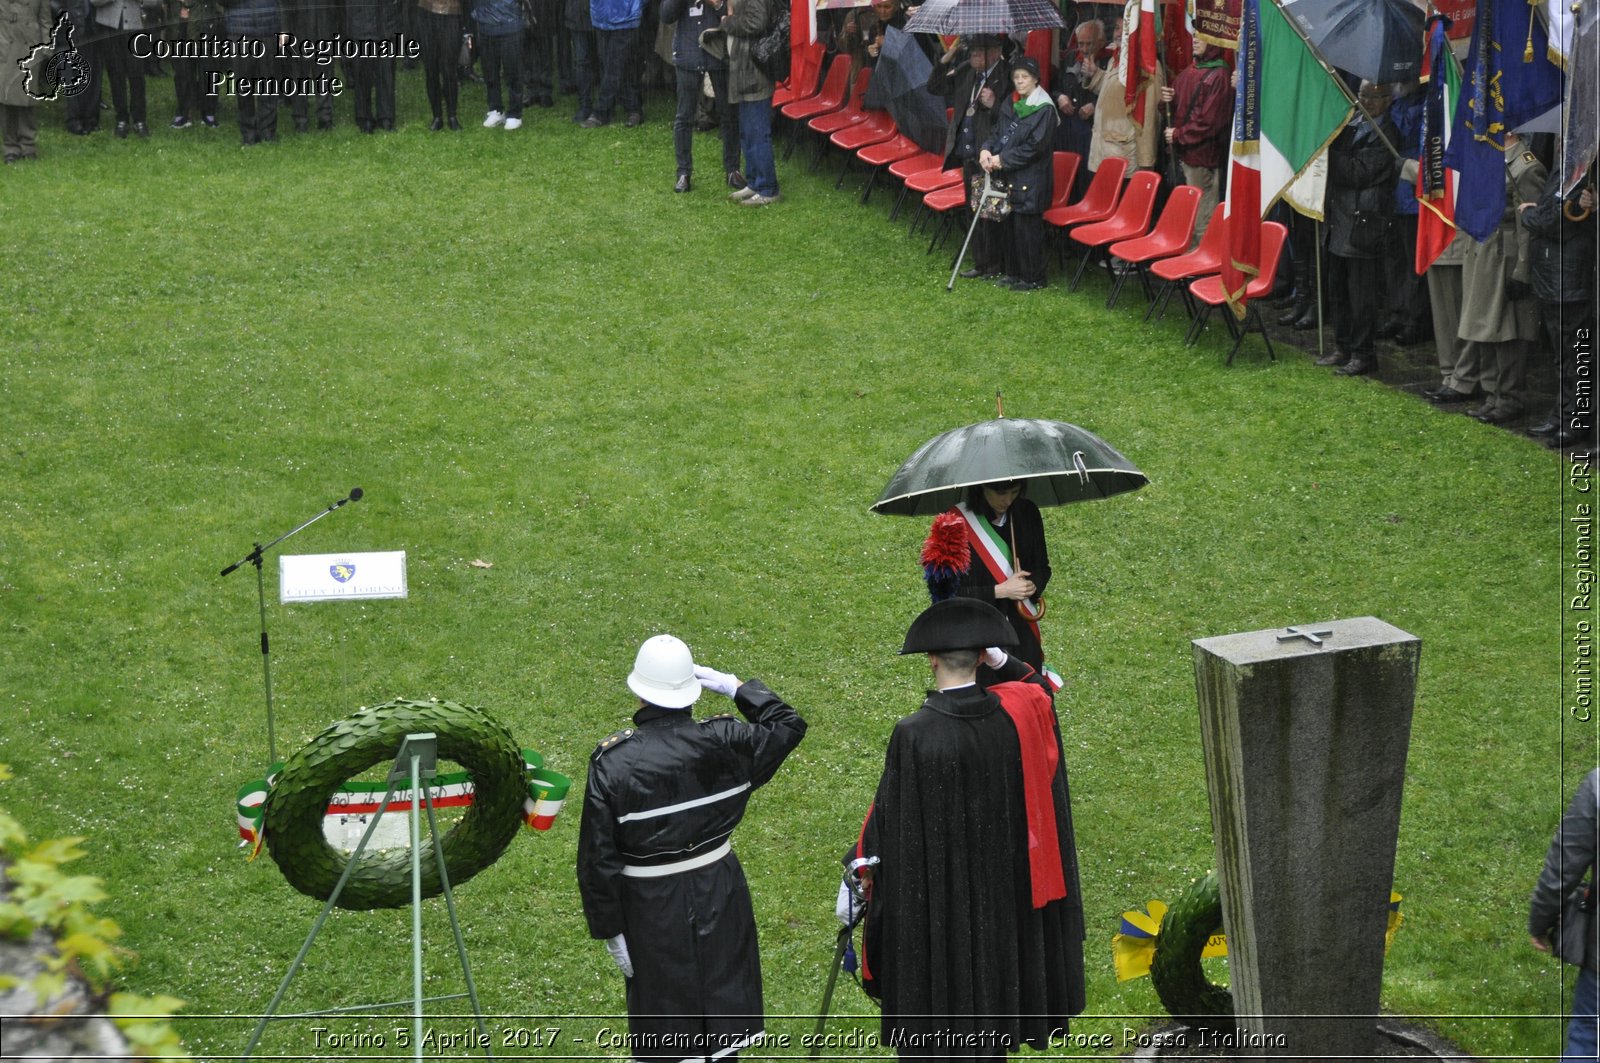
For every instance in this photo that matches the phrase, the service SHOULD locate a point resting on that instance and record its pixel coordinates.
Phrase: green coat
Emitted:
(23, 24)
(747, 21)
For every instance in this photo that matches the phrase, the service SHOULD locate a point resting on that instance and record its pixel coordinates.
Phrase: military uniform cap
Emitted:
(958, 624)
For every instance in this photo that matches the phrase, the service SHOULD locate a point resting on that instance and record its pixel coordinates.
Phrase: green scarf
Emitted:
(1037, 100)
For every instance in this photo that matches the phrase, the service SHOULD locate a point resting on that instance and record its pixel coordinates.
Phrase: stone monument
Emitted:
(1305, 732)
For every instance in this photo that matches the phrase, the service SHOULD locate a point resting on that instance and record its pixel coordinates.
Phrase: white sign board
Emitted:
(332, 577)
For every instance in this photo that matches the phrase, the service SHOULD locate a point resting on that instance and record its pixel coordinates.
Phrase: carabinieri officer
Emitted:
(659, 880)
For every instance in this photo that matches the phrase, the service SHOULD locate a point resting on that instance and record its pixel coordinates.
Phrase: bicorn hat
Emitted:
(958, 624)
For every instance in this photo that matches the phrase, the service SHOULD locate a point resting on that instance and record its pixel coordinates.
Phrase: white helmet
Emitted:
(663, 673)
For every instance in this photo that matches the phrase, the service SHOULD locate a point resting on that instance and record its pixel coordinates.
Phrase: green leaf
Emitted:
(12, 836)
(57, 851)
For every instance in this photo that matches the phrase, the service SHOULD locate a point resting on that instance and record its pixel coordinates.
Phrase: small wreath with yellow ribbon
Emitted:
(1175, 971)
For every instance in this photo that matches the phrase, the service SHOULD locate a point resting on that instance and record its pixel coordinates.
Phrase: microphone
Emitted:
(355, 494)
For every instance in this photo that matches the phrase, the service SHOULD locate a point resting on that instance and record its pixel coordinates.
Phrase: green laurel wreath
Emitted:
(293, 814)
(1175, 969)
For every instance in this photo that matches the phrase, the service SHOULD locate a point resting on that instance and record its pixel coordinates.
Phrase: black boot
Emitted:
(1304, 292)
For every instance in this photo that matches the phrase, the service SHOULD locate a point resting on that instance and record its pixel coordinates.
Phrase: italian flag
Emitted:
(1287, 111)
(1436, 183)
(1137, 58)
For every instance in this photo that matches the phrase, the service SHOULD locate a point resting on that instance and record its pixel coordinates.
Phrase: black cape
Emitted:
(963, 962)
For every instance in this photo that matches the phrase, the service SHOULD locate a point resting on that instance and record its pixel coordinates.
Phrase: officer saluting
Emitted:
(659, 880)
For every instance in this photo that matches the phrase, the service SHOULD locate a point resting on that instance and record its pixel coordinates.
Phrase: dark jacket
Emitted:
(1562, 251)
(747, 22)
(958, 83)
(371, 20)
(616, 14)
(1571, 856)
(692, 18)
(1361, 175)
(498, 18)
(576, 16)
(1023, 145)
(252, 18)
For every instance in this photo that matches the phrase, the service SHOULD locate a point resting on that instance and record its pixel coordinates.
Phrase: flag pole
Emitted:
(1337, 80)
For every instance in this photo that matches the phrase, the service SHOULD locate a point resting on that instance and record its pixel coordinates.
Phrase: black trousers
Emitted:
(689, 97)
(1024, 246)
(125, 73)
(441, 47)
(619, 76)
(988, 239)
(258, 115)
(1569, 327)
(502, 56)
(1358, 290)
(372, 81)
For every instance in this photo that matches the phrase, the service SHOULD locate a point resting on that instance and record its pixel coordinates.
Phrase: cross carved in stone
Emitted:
(1313, 637)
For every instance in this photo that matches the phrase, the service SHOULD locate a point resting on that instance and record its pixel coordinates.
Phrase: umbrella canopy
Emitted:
(1061, 462)
(1583, 99)
(1379, 40)
(951, 17)
(900, 86)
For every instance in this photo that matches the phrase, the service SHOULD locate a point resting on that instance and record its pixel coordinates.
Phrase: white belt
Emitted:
(659, 870)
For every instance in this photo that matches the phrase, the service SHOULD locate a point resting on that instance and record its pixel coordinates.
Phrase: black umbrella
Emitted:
(950, 17)
(1378, 40)
(1061, 462)
(900, 86)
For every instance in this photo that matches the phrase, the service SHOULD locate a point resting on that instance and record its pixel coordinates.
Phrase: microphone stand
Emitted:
(254, 558)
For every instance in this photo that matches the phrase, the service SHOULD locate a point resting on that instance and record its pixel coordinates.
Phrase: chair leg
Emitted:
(1261, 327)
(1158, 302)
(899, 201)
(1083, 264)
(942, 230)
(1196, 326)
(1117, 281)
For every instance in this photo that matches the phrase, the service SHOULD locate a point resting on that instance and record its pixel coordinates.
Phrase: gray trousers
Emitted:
(1458, 361)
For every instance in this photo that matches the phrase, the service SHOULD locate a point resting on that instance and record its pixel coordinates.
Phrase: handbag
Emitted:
(771, 50)
(1369, 232)
(993, 205)
(1570, 938)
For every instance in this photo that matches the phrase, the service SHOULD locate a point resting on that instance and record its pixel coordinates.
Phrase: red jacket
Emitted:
(1202, 112)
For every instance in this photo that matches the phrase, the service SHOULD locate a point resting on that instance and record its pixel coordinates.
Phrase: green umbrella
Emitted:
(1061, 462)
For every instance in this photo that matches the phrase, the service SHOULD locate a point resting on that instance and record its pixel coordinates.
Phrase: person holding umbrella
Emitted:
(974, 90)
(1019, 150)
(994, 544)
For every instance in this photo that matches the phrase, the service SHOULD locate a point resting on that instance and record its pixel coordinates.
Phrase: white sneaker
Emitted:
(513, 123)
(759, 200)
(742, 194)
(494, 119)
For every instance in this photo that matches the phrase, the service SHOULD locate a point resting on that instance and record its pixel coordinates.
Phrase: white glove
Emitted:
(995, 657)
(724, 683)
(618, 947)
(846, 906)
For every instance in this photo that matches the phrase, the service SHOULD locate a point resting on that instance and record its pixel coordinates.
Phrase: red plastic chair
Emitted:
(1099, 200)
(1063, 171)
(850, 113)
(931, 181)
(944, 202)
(877, 128)
(887, 153)
(830, 97)
(1132, 218)
(1170, 237)
(1208, 291)
(1207, 258)
(924, 162)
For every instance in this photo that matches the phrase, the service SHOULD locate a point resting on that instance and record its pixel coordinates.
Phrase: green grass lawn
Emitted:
(652, 412)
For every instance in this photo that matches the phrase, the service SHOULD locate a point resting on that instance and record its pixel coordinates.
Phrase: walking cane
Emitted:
(988, 192)
(827, 994)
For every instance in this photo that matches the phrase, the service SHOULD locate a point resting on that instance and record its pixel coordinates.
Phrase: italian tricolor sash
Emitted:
(995, 553)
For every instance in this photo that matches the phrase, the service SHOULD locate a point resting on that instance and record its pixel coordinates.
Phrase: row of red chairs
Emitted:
(1112, 220)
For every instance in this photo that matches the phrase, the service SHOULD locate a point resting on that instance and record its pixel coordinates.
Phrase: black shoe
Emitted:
(1444, 395)
(634, 119)
(736, 180)
(1334, 357)
(547, 101)
(683, 183)
(247, 139)
(436, 125)
(580, 118)
(1546, 428)
(1307, 319)
(365, 127)
(1357, 367)
(594, 121)
(142, 130)
(1291, 315)
(1570, 437)
(453, 122)
(181, 121)
(301, 125)
(1389, 330)
(973, 274)
(387, 125)
(121, 130)
(1482, 411)
(268, 138)
(1025, 286)
(1409, 337)
(1497, 416)
(209, 121)
(324, 123)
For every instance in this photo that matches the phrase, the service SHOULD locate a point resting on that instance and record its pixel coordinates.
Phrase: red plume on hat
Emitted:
(945, 555)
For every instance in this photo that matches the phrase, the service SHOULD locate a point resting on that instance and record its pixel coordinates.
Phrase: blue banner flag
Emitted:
(1510, 81)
